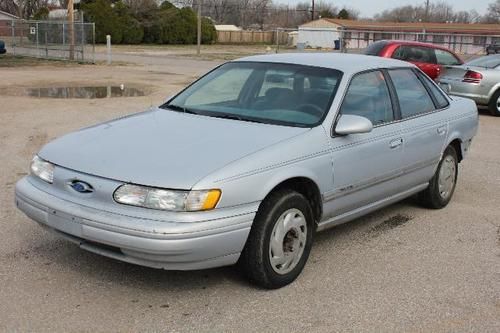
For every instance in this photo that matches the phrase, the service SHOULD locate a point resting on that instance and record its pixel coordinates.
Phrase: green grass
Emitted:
(9, 60)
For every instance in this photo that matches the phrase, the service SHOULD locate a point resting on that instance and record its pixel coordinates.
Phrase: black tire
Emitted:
(492, 105)
(432, 197)
(255, 259)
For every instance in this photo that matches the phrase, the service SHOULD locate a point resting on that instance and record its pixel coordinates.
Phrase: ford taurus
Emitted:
(248, 162)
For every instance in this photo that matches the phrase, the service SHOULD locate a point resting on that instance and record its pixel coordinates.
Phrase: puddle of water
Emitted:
(85, 92)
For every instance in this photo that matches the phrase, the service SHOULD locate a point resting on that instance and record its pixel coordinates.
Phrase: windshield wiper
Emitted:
(179, 108)
(234, 117)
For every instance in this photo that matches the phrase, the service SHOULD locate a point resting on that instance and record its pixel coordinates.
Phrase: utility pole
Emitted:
(71, 19)
(312, 11)
(198, 37)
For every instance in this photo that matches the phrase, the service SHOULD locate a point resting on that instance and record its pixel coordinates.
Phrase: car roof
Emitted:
(415, 43)
(347, 63)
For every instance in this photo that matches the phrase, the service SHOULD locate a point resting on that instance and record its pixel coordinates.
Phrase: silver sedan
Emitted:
(478, 79)
(248, 162)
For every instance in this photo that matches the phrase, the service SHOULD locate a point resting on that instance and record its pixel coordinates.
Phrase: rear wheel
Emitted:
(280, 240)
(442, 185)
(494, 105)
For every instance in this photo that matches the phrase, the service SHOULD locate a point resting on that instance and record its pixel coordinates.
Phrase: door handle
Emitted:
(441, 130)
(396, 143)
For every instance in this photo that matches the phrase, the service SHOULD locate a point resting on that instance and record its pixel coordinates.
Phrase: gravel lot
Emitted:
(403, 268)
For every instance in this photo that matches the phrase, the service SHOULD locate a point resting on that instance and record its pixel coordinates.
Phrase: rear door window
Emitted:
(412, 96)
(445, 58)
(415, 54)
(441, 100)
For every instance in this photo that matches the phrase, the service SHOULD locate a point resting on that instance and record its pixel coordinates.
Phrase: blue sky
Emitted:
(370, 7)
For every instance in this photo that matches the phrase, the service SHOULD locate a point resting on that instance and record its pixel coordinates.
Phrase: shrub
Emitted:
(165, 24)
(208, 32)
(106, 21)
(133, 32)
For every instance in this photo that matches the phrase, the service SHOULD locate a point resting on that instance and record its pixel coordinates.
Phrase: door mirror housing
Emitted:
(351, 124)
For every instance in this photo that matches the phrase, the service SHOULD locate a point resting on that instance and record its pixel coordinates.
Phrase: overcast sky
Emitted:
(370, 7)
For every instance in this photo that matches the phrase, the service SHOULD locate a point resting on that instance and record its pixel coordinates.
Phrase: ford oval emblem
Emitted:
(81, 187)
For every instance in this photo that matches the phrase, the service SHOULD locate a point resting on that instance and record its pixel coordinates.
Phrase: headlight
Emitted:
(42, 169)
(156, 198)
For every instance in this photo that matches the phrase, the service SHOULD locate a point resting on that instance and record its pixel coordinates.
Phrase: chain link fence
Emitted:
(49, 39)
(354, 41)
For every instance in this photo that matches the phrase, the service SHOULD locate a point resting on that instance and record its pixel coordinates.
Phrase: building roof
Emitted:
(456, 28)
(227, 27)
(2, 13)
(347, 63)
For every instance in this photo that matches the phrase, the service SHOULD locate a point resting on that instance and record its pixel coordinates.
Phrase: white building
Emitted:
(226, 27)
(7, 16)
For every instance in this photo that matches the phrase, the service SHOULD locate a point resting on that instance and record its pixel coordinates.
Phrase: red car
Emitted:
(429, 58)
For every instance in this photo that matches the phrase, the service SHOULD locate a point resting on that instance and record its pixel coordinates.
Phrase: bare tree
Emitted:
(437, 12)
(493, 14)
(9, 6)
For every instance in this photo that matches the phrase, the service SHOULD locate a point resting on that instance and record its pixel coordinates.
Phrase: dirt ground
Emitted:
(403, 268)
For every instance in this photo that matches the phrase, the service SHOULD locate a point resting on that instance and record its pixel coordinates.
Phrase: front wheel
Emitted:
(442, 185)
(280, 240)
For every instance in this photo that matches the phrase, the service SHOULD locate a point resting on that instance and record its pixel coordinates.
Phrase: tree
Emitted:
(9, 6)
(493, 14)
(438, 12)
(343, 14)
(325, 13)
(41, 14)
(106, 20)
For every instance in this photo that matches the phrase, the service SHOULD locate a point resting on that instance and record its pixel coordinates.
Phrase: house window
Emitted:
(422, 37)
(438, 39)
(386, 35)
(367, 36)
(495, 40)
(479, 40)
(347, 35)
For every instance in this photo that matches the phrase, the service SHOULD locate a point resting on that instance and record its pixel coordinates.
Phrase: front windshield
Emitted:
(491, 61)
(283, 94)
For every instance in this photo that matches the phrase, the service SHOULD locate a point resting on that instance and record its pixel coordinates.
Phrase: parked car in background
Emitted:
(248, 162)
(493, 49)
(478, 79)
(429, 58)
(2, 47)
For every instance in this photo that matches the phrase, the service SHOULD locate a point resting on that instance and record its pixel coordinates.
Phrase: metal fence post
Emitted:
(37, 50)
(277, 40)
(46, 45)
(82, 42)
(93, 43)
(13, 39)
(108, 46)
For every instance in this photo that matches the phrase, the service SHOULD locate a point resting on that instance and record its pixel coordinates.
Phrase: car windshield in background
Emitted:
(491, 61)
(272, 93)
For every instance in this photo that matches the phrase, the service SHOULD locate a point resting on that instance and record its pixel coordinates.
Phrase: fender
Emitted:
(493, 90)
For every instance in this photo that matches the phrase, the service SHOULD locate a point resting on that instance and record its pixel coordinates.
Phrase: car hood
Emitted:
(162, 148)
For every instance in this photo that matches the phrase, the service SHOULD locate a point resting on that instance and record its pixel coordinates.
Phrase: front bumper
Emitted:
(153, 243)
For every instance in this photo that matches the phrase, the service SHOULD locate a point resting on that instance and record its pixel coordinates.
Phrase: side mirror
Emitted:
(351, 124)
